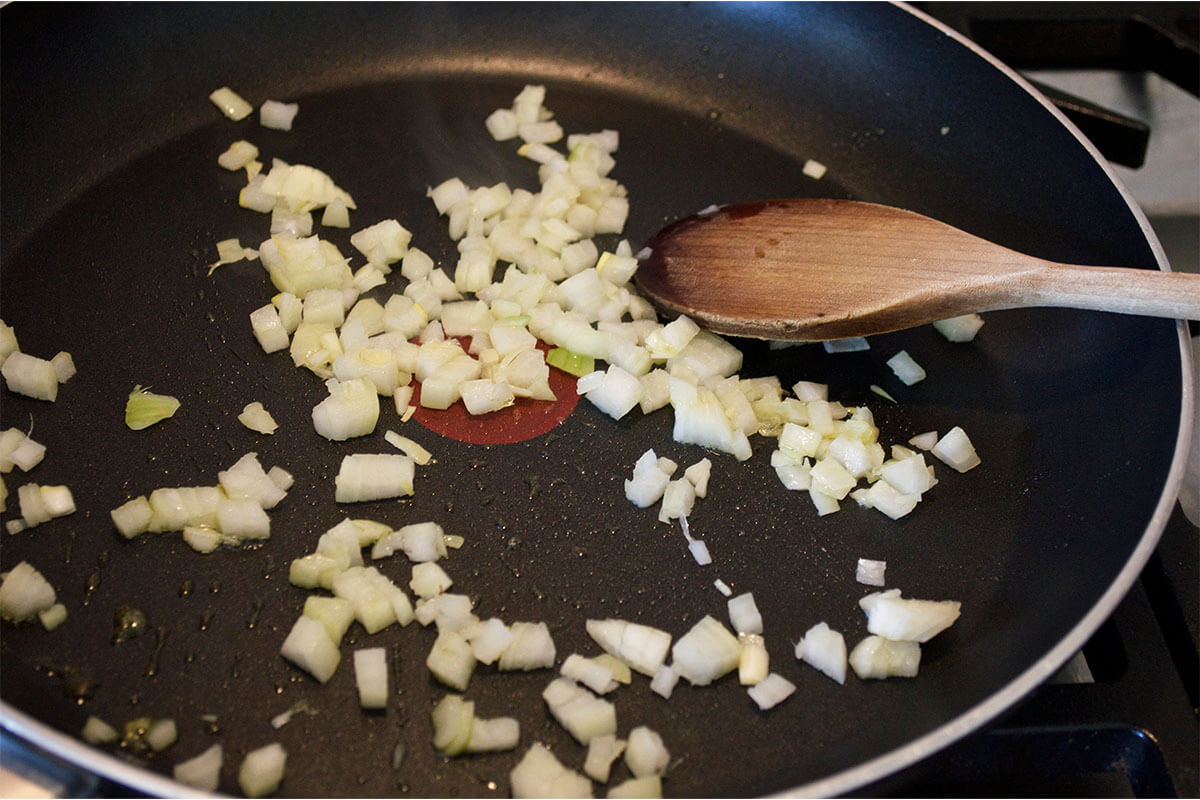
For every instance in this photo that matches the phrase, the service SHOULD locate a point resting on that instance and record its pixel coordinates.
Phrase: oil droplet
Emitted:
(205, 619)
(253, 621)
(186, 589)
(160, 635)
(128, 623)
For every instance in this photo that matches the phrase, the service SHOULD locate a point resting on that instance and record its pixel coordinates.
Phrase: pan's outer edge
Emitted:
(919, 749)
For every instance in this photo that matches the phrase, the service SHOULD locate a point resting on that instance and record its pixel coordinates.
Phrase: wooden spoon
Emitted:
(812, 269)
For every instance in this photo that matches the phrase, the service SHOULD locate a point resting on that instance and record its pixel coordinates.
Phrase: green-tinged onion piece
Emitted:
(146, 408)
(571, 363)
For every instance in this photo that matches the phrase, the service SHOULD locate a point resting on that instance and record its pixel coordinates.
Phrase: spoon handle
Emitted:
(1125, 291)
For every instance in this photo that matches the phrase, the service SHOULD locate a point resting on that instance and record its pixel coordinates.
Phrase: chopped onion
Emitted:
(231, 103)
(145, 408)
(595, 675)
(706, 652)
(17, 449)
(97, 731)
(664, 680)
(645, 753)
(956, 450)
(754, 664)
(825, 649)
(532, 648)
(906, 369)
(255, 417)
(907, 620)
(583, 714)
(771, 691)
(540, 774)
(309, 647)
(371, 677)
(646, 786)
(814, 169)
(870, 572)
(277, 115)
(374, 476)
(601, 753)
(201, 772)
(961, 328)
(238, 155)
(723, 587)
(876, 658)
(262, 770)
(31, 376)
(640, 646)
(24, 593)
(161, 734)
(451, 660)
(744, 614)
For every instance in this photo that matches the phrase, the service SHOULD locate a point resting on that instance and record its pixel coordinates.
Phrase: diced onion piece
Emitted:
(905, 619)
(870, 572)
(373, 476)
(451, 660)
(145, 408)
(678, 498)
(24, 593)
(744, 614)
(201, 772)
(161, 734)
(878, 658)
(885, 498)
(64, 366)
(231, 103)
(262, 770)
(532, 648)
(8, 341)
(961, 328)
(640, 646)
(723, 587)
(493, 735)
(771, 691)
(825, 649)
(614, 391)
(238, 155)
(371, 677)
(336, 215)
(334, 613)
(581, 713)
(593, 674)
(133, 517)
(18, 450)
(277, 115)
(601, 753)
(31, 376)
(409, 447)
(571, 363)
(255, 417)
(906, 368)
(698, 474)
(956, 450)
(700, 553)
(645, 786)
(453, 718)
(755, 662)
(540, 774)
(309, 647)
(645, 753)
(664, 680)
(648, 482)
(924, 441)
(814, 169)
(706, 652)
(489, 640)
(53, 616)
(853, 344)
(429, 580)
(97, 731)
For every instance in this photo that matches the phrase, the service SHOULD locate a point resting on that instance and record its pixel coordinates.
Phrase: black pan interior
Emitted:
(113, 202)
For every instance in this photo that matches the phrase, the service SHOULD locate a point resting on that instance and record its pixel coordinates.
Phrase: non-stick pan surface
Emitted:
(113, 202)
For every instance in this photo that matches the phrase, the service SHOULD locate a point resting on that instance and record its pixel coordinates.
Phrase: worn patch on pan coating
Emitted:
(524, 420)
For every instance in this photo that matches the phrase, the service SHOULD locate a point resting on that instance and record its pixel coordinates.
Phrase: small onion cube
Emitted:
(583, 714)
(906, 368)
(771, 691)
(97, 731)
(309, 647)
(744, 614)
(201, 772)
(814, 169)
(451, 660)
(825, 649)
(706, 652)
(961, 328)
(24, 592)
(532, 648)
(601, 753)
(645, 786)
(277, 115)
(540, 774)
(374, 476)
(231, 103)
(371, 677)
(905, 619)
(870, 572)
(262, 770)
(699, 551)
(877, 658)
(645, 753)
(956, 450)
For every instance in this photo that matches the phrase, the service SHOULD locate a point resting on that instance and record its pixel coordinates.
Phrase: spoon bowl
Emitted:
(817, 269)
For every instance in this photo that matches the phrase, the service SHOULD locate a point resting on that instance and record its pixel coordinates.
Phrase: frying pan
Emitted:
(112, 205)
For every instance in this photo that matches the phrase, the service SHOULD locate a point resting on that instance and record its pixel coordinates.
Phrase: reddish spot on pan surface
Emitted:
(525, 419)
